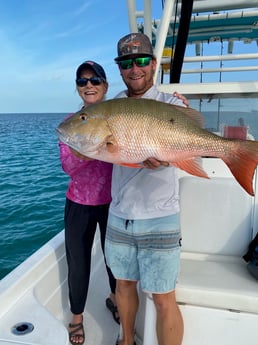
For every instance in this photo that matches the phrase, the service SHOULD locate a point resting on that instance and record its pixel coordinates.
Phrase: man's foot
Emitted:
(76, 330)
(113, 308)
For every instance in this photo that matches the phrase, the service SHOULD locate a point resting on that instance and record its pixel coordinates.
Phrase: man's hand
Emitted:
(183, 98)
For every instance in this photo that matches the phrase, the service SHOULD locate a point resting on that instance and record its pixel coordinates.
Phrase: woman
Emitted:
(87, 202)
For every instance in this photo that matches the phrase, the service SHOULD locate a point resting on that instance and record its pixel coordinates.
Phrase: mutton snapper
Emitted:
(128, 131)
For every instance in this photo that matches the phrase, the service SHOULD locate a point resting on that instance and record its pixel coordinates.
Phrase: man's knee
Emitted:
(125, 285)
(165, 302)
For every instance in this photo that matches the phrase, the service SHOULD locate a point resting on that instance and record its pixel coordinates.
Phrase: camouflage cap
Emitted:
(133, 44)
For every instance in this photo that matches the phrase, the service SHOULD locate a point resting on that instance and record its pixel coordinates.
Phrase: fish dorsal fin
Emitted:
(195, 116)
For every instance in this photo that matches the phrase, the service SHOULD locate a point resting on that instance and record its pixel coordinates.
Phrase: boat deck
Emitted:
(36, 293)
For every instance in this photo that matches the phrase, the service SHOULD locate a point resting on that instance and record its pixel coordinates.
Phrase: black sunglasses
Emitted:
(139, 61)
(84, 81)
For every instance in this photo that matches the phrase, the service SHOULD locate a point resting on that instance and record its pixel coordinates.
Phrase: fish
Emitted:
(128, 131)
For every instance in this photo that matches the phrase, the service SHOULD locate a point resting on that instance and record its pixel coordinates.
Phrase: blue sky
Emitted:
(42, 44)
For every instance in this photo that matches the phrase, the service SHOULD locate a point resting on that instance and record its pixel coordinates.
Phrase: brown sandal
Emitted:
(74, 333)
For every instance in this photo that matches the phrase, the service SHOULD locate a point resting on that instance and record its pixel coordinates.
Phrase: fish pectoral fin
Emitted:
(112, 147)
(191, 166)
(111, 144)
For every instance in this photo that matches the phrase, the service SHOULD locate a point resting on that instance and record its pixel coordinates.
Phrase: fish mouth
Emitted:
(62, 137)
(70, 141)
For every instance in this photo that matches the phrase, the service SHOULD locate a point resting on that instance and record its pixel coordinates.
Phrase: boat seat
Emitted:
(216, 225)
(217, 282)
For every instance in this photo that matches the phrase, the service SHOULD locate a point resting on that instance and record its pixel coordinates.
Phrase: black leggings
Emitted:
(80, 227)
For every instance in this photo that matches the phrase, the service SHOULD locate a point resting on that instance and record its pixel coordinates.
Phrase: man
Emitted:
(143, 235)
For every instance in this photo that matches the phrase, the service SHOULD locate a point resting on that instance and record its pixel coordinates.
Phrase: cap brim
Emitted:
(124, 57)
(95, 69)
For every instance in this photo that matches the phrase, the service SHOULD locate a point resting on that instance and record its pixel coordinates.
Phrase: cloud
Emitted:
(83, 8)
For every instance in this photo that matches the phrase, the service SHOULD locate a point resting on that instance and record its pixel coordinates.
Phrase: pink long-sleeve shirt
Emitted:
(90, 182)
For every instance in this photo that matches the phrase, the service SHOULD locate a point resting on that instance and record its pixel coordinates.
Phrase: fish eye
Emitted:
(83, 117)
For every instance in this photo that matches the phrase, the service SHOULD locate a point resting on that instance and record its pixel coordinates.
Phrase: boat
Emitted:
(216, 293)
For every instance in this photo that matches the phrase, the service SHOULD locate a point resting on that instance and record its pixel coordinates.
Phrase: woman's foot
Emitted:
(76, 330)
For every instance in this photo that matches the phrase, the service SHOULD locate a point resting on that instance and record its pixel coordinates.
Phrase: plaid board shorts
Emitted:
(145, 250)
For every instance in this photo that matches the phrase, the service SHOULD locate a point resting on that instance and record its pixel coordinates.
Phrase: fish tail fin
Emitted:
(242, 162)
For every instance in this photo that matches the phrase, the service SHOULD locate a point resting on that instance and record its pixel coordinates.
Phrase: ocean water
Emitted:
(32, 185)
